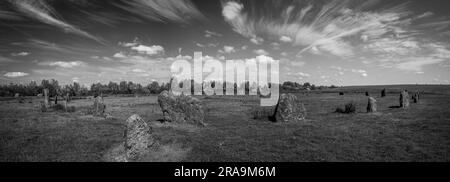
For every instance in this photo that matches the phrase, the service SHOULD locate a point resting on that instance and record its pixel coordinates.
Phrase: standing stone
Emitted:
(66, 101)
(181, 109)
(56, 99)
(415, 97)
(383, 93)
(404, 99)
(367, 94)
(99, 107)
(65, 106)
(371, 105)
(46, 99)
(289, 109)
(67, 97)
(138, 137)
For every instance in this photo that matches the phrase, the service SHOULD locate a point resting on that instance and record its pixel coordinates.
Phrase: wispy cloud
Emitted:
(180, 11)
(20, 54)
(63, 64)
(360, 71)
(43, 44)
(9, 15)
(238, 19)
(119, 55)
(42, 12)
(199, 45)
(15, 74)
(285, 39)
(417, 64)
(227, 49)
(149, 50)
(261, 52)
(5, 60)
(212, 34)
(346, 29)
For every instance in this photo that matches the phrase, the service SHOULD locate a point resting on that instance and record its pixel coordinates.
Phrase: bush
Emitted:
(349, 108)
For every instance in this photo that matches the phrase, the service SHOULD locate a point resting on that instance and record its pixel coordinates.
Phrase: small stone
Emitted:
(138, 137)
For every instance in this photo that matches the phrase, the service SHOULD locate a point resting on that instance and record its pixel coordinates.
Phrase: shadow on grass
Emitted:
(394, 107)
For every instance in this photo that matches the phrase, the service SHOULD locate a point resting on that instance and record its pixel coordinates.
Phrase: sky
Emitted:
(325, 42)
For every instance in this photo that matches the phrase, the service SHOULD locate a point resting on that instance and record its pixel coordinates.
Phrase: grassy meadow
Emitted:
(420, 133)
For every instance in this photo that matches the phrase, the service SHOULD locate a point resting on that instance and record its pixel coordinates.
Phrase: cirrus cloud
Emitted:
(15, 74)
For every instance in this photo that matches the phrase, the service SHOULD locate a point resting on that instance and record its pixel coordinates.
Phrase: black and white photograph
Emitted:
(225, 81)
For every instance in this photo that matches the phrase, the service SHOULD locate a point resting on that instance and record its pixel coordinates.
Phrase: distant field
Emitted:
(429, 89)
(421, 133)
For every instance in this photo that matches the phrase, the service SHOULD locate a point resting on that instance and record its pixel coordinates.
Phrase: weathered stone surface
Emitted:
(99, 107)
(181, 109)
(138, 137)
(371, 105)
(404, 99)
(289, 109)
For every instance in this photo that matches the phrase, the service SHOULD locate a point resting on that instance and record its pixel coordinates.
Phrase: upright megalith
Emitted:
(67, 98)
(46, 98)
(404, 99)
(98, 109)
(138, 137)
(371, 105)
(367, 94)
(383, 93)
(289, 109)
(415, 97)
(66, 103)
(181, 109)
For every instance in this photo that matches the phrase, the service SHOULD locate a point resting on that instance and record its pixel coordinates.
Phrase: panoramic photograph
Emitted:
(224, 81)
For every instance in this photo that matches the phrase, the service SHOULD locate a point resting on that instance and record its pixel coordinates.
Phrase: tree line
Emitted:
(124, 87)
(75, 89)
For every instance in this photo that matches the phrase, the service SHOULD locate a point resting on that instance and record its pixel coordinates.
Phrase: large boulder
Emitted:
(181, 109)
(289, 109)
(404, 99)
(371, 105)
(138, 137)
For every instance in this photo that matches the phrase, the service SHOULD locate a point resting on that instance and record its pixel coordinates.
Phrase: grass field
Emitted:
(421, 133)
